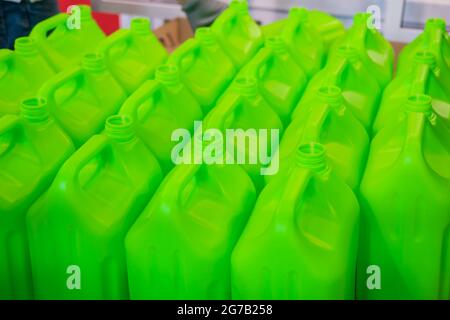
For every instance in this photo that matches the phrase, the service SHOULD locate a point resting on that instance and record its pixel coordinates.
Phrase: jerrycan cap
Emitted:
(25, 46)
(168, 74)
(93, 62)
(247, 86)
(239, 6)
(348, 52)
(34, 110)
(120, 128)
(312, 156)
(435, 23)
(276, 44)
(298, 13)
(419, 103)
(205, 36)
(331, 95)
(140, 26)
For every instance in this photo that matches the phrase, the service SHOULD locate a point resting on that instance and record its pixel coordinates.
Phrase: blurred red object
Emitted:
(107, 21)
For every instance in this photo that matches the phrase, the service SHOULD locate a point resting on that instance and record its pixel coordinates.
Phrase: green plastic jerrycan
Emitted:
(22, 72)
(301, 239)
(180, 247)
(204, 67)
(405, 207)
(32, 148)
(374, 51)
(424, 76)
(434, 38)
(81, 98)
(133, 55)
(237, 32)
(329, 27)
(281, 80)
(360, 90)
(328, 120)
(77, 229)
(65, 39)
(304, 41)
(160, 107)
(250, 128)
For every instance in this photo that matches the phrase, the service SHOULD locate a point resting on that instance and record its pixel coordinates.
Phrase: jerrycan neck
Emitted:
(418, 111)
(85, 13)
(34, 111)
(93, 63)
(298, 15)
(25, 47)
(168, 75)
(358, 31)
(239, 7)
(140, 27)
(277, 45)
(120, 128)
(246, 87)
(310, 160)
(424, 64)
(434, 30)
(206, 37)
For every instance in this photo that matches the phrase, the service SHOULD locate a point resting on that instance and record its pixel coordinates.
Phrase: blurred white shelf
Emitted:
(401, 20)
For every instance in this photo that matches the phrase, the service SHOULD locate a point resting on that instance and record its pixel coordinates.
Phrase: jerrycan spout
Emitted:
(120, 128)
(34, 110)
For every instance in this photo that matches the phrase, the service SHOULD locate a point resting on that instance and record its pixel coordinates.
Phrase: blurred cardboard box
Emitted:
(174, 32)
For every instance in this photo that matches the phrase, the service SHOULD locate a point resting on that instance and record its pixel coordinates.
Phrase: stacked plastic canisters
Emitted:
(103, 195)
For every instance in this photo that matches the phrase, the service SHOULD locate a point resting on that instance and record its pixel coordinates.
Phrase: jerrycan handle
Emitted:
(93, 147)
(8, 124)
(360, 27)
(297, 17)
(50, 88)
(5, 55)
(41, 30)
(184, 55)
(185, 177)
(135, 101)
(118, 37)
(261, 63)
(310, 160)
(244, 87)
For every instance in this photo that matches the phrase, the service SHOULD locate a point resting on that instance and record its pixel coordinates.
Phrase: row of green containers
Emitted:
(177, 249)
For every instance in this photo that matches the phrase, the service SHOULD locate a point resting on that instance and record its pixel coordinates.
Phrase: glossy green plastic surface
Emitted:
(423, 76)
(28, 164)
(83, 218)
(301, 240)
(243, 107)
(304, 41)
(328, 120)
(160, 106)
(405, 203)
(434, 38)
(204, 67)
(329, 27)
(237, 32)
(281, 80)
(63, 41)
(133, 55)
(81, 98)
(22, 72)
(360, 90)
(373, 50)
(180, 247)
